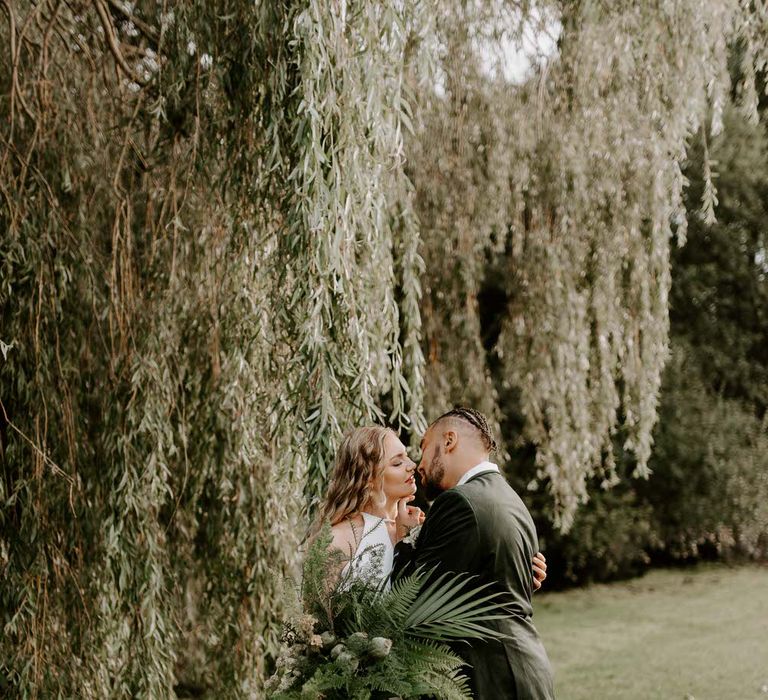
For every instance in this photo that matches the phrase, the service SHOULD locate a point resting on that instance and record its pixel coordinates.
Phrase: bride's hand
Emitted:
(407, 517)
(539, 570)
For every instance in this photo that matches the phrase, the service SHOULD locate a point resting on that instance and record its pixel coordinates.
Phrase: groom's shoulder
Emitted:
(494, 501)
(452, 502)
(451, 498)
(491, 487)
(487, 483)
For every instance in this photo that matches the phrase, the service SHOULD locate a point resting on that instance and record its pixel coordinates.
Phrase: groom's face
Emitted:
(431, 467)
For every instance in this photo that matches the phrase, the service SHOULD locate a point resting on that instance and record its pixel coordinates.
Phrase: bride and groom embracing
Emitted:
(476, 525)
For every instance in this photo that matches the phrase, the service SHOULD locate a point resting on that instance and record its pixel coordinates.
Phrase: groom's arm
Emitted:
(448, 541)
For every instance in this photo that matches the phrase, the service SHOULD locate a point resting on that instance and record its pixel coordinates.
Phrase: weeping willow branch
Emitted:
(109, 32)
(581, 163)
(55, 468)
(177, 323)
(146, 29)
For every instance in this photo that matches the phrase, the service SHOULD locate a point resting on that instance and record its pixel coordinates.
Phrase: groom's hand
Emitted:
(539, 570)
(407, 517)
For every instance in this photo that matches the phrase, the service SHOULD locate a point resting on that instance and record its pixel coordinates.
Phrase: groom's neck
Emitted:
(465, 462)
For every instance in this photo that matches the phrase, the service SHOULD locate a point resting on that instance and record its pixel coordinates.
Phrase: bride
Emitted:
(373, 475)
(367, 505)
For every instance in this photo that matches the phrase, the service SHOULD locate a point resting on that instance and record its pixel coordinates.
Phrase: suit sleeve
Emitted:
(448, 541)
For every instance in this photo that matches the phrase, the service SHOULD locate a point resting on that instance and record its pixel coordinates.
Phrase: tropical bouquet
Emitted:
(357, 641)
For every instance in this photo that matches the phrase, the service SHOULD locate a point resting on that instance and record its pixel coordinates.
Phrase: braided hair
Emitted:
(476, 420)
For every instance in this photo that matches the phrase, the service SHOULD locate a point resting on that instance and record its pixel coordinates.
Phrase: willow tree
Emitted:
(570, 183)
(205, 226)
(211, 266)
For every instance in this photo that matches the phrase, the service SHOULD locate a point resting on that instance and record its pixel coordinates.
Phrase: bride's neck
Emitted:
(386, 510)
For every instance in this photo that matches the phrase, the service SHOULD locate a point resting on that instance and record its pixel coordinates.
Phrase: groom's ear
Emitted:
(450, 440)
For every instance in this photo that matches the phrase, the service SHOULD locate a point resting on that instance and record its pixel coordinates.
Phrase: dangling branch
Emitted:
(15, 51)
(114, 47)
(145, 29)
(55, 468)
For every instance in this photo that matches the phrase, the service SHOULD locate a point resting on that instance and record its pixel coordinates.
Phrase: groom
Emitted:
(478, 525)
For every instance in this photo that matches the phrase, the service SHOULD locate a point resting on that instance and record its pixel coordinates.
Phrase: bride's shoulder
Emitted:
(346, 534)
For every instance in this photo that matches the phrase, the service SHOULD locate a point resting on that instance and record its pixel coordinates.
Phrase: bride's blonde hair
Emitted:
(357, 474)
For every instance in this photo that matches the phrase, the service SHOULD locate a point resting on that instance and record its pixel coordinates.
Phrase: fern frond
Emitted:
(454, 686)
(401, 598)
(425, 655)
(421, 667)
(395, 685)
(436, 670)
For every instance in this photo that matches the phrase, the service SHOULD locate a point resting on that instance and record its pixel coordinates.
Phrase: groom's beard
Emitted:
(431, 482)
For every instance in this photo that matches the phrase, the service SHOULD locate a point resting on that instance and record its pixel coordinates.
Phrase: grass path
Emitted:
(672, 635)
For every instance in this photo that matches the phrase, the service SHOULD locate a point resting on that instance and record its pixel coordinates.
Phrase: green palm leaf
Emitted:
(450, 630)
(443, 594)
(449, 609)
(432, 598)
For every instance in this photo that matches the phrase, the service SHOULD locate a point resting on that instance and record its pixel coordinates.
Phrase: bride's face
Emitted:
(399, 469)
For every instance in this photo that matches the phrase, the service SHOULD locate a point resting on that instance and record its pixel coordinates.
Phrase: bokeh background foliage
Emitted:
(230, 231)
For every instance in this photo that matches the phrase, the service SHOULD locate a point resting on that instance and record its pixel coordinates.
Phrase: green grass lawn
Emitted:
(682, 634)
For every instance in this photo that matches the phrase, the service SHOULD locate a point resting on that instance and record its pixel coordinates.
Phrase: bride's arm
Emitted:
(324, 566)
(345, 539)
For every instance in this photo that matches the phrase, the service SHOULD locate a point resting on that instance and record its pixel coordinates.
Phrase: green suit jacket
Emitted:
(484, 529)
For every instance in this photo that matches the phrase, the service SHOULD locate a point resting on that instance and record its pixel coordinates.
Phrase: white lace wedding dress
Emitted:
(374, 556)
